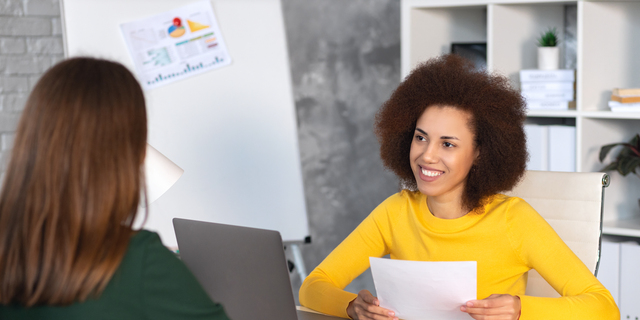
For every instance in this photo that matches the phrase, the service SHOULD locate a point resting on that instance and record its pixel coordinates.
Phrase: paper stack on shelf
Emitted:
(625, 100)
(548, 89)
(551, 148)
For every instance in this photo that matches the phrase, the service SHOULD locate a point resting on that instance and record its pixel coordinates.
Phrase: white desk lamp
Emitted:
(160, 172)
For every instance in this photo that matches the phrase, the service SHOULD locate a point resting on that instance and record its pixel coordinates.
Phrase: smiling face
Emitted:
(442, 152)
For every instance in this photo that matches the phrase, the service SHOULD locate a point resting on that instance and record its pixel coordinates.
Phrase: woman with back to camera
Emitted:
(68, 203)
(454, 136)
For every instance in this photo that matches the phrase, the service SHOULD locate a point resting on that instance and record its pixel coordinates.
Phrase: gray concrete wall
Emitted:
(345, 62)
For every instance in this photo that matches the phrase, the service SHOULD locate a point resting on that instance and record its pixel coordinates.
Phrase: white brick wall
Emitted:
(30, 43)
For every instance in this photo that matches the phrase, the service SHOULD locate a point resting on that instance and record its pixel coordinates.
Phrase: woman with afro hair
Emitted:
(454, 137)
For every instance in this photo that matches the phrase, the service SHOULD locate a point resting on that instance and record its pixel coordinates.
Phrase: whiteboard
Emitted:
(233, 130)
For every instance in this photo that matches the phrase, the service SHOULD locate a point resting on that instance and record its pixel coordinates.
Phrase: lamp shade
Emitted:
(160, 172)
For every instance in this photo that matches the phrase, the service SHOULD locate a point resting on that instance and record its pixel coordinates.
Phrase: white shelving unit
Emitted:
(606, 58)
(627, 228)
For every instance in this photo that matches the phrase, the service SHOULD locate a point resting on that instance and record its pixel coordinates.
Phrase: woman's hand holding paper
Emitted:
(496, 306)
(366, 307)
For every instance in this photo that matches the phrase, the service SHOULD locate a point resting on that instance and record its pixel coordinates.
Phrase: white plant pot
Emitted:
(548, 58)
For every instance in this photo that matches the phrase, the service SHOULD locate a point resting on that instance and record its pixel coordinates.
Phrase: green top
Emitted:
(151, 283)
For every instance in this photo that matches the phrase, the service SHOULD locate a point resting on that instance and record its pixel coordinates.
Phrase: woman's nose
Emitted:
(430, 154)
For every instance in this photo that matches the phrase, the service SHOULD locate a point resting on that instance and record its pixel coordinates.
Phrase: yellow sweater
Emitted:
(508, 240)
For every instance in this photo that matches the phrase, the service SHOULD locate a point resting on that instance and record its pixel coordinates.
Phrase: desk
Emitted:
(305, 313)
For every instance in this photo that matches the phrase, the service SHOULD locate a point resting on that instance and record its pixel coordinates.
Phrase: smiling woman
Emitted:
(454, 137)
(443, 151)
(497, 113)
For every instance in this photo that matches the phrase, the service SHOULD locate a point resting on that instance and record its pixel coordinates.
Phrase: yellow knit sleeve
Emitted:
(323, 290)
(583, 296)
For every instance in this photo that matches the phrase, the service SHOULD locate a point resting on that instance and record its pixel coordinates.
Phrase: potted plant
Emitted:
(548, 51)
(628, 160)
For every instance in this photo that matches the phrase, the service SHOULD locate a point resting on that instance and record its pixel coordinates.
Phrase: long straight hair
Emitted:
(73, 183)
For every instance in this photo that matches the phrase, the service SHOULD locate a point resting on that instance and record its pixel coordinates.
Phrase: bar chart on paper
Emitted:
(187, 68)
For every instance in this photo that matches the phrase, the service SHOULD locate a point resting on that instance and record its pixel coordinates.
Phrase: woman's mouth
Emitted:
(430, 173)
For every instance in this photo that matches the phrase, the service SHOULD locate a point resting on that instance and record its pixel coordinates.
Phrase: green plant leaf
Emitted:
(635, 141)
(626, 151)
(628, 165)
(627, 160)
(610, 166)
(548, 38)
(619, 169)
(635, 165)
(604, 150)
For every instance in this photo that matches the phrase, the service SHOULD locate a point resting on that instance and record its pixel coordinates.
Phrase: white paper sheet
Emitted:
(425, 289)
(176, 44)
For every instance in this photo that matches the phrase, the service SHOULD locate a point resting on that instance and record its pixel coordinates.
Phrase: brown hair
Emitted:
(497, 118)
(72, 187)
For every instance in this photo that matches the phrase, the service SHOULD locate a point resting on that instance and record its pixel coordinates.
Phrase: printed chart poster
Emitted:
(175, 45)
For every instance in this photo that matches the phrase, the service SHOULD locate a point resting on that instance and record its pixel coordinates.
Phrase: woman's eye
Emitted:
(420, 138)
(448, 144)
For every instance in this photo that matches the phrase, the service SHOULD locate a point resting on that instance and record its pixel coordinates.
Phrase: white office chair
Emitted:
(572, 204)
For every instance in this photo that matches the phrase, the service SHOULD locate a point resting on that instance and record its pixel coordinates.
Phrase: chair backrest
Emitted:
(571, 202)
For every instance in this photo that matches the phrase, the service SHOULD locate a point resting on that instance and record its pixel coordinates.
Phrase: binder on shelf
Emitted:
(629, 280)
(547, 86)
(624, 107)
(548, 96)
(609, 271)
(548, 89)
(537, 146)
(531, 75)
(550, 105)
(551, 147)
(562, 148)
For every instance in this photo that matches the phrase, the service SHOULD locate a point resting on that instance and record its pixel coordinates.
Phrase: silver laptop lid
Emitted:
(242, 268)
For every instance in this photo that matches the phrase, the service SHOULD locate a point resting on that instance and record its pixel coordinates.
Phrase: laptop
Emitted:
(242, 268)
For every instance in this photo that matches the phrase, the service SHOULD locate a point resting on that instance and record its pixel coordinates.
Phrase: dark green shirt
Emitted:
(151, 283)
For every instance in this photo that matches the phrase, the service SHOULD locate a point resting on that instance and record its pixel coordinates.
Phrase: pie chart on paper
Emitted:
(196, 26)
(177, 30)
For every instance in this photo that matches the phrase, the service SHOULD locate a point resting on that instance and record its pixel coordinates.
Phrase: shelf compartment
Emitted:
(621, 197)
(453, 24)
(608, 47)
(513, 33)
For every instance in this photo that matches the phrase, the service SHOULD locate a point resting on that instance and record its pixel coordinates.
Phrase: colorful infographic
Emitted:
(177, 29)
(196, 26)
(176, 44)
(154, 58)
